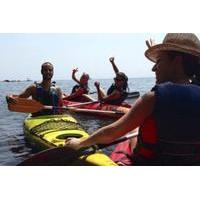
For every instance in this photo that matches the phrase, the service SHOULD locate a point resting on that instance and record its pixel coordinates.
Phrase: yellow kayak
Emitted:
(52, 130)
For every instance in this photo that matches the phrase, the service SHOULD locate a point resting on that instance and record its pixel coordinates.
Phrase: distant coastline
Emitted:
(8, 81)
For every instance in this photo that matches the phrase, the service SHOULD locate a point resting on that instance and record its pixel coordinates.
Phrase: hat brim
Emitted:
(153, 52)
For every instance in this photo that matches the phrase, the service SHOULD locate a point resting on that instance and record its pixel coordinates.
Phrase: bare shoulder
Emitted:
(31, 88)
(148, 96)
(147, 100)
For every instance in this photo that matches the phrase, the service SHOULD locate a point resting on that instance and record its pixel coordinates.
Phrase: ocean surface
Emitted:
(13, 146)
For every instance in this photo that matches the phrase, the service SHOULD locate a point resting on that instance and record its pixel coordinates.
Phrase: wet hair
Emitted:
(125, 78)
(191, 65)
(45, 64)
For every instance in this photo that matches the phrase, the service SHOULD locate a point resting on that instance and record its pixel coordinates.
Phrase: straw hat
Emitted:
(181, 42)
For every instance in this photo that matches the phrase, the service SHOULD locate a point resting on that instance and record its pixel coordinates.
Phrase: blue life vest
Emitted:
(171, 135)
(49, 98)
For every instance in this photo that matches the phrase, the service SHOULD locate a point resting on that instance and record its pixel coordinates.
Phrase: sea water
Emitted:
(13, 146)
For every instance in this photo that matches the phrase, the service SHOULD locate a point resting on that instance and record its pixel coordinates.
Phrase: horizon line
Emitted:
(29, 80)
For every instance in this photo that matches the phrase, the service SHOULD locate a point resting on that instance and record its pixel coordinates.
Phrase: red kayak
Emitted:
(98, 109)
(122, 154)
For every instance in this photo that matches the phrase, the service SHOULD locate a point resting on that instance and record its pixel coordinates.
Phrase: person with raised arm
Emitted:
(81, 90)
(117, 92)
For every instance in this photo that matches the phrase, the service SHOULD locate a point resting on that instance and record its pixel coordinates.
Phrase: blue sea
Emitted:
(13, 146)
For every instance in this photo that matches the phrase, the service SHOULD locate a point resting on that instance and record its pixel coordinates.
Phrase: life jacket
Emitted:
(171, 135)
(123, 95)
(84, 87)
(50, 98)
(80, 98)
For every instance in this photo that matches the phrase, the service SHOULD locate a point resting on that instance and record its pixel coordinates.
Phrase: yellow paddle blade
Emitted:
(25, 105)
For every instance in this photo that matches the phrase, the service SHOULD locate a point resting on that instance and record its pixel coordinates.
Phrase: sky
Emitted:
(23, 53)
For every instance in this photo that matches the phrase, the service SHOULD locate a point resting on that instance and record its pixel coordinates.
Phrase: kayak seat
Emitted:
(124, 159)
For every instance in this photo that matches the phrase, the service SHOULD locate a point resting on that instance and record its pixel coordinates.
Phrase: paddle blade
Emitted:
(25, 105)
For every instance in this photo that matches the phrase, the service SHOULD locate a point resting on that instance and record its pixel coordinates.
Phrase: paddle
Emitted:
(131, 95)
(31, 106)
(81, 104)
(66, 156)
(94, 92)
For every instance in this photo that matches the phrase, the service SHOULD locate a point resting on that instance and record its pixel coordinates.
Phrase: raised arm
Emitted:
(142, 108)
(73, 75)
(115, 68)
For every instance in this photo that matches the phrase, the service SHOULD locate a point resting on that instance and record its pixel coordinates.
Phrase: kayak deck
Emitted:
(52, 130)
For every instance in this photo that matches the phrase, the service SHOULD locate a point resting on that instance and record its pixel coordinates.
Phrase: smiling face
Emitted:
(47, 71)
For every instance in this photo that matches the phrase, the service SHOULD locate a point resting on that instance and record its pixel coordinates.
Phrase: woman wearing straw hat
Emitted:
(167, 116)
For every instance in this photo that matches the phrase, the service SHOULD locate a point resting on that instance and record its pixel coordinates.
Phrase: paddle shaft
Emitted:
(122, 139)
(129, 93)
(83, 110)
(81, 104)
(94, 92)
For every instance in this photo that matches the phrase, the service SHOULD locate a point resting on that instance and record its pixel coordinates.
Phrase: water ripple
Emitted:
(14, 148)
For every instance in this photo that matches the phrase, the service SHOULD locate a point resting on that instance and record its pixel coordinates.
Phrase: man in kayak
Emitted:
(80, 90)
(45, 92)
(117, 92)
(168, 115)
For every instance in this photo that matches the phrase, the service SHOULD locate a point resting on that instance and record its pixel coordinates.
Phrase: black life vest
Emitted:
(123, 95)
(84, 87)
(49, 97)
